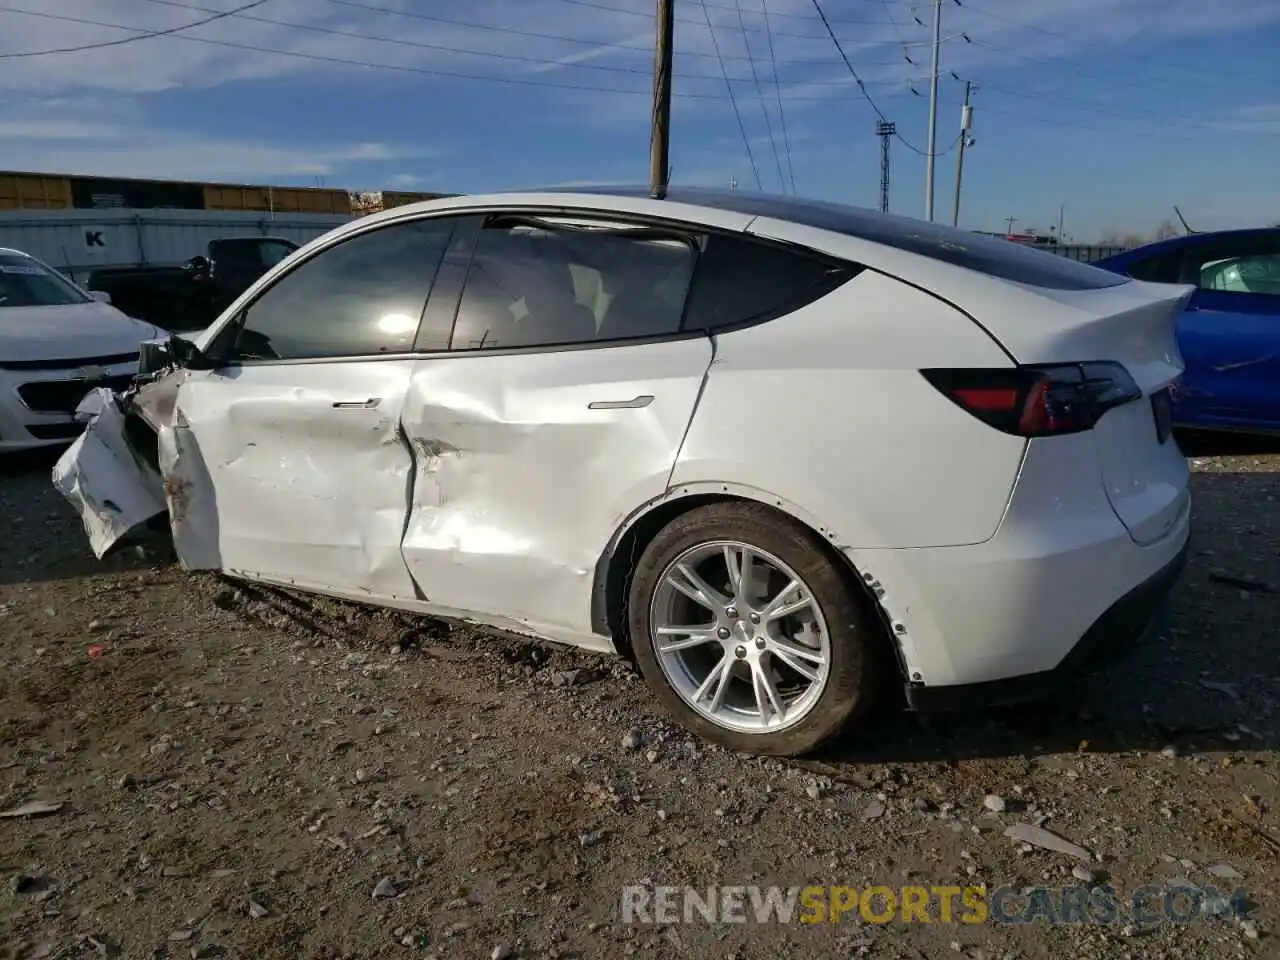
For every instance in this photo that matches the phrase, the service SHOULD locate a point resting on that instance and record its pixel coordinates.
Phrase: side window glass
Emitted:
(1162, 269)
(533, 283)
(235, 255)
(362, 297)
(1256, 274)
(273, 252)
(741, 279)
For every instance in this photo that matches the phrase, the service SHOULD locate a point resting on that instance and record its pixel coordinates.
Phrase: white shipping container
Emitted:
(78, 242)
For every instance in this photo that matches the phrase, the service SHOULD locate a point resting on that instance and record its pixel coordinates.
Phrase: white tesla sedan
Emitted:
(765, 446)
(57, 343)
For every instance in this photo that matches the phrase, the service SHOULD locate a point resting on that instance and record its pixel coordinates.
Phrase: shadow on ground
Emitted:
(45, 538)
(1214, 668)
(1206, 443)
(1211, 680)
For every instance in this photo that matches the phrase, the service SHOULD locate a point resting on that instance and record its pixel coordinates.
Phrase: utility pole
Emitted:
(1010, 221)
(933, 111)
(966, 121)
(1062, 210)
(885, 131)
(660, 135)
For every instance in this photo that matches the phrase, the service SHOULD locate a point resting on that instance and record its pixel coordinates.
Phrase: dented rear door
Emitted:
(527, 464)
(531, 451)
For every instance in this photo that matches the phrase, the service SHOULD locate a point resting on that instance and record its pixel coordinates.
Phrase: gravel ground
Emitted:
(244, 773)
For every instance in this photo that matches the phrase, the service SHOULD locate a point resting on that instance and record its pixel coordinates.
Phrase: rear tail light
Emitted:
(1038, 401)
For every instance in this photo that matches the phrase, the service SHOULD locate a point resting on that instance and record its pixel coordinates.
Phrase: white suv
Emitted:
(763, 445)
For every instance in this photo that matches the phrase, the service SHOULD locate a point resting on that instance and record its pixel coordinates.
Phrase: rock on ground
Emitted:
(497, 756)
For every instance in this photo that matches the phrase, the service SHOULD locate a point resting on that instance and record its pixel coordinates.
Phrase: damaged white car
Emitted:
(765, 446)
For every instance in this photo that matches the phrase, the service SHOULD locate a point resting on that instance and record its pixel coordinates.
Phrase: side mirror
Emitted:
(100, 295)
(187, 355)
(156, 355)
(199, 267)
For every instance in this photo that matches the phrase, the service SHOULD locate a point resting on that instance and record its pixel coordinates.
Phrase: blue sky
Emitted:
(1117, 110)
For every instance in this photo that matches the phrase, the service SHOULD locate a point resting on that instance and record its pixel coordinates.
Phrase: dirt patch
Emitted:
(243, 768)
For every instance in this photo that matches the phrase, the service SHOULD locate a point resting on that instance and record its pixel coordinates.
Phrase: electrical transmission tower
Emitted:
(885, 131)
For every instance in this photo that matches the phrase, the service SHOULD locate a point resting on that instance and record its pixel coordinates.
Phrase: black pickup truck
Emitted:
(191, 296)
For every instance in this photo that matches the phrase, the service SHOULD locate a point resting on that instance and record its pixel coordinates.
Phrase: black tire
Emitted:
(856, 640)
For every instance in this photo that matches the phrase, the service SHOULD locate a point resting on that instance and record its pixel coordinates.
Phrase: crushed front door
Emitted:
(294, 473)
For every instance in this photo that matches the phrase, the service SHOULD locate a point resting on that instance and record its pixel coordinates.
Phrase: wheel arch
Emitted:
(614, 568)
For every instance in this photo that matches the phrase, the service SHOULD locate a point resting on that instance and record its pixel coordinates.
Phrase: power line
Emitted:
(516, 58)
(141, 33)
(1054, 59)
(1064, 36)
(764, 105)
(398, 68)
(425, 45)
(596, 5)
(560, 38)
(1102, 108)
(746, 141)
(1127, 130)
(862, 87)
(777, 89)
(902, 39)
(170, 31)
(593, 4)
(1066, 124)
(1081, 72)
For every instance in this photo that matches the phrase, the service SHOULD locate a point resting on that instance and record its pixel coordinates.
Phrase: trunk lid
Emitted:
(1134, 323)
(1143, 471)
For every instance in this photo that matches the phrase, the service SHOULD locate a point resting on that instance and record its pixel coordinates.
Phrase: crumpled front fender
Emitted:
(113, 489)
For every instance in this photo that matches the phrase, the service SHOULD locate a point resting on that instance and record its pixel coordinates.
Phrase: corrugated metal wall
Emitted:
(23, 190)
(79, 241)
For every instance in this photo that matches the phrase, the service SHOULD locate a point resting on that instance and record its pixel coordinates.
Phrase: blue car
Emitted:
(1230, 332)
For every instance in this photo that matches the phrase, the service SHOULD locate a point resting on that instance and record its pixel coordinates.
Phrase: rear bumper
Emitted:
(1134, 618)
(1061, 567)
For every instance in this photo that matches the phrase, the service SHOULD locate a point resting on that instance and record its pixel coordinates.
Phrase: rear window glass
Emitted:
(990, 255)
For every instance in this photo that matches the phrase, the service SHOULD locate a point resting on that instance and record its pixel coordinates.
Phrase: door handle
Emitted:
(369, 404)
(634, 403)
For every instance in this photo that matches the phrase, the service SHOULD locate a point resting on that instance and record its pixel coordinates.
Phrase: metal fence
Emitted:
(1086, 253)
(79, 241)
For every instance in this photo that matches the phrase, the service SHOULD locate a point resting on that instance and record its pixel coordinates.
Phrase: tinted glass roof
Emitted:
(990, 255)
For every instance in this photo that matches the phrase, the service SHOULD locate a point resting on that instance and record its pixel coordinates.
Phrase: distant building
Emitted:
(1031, 238)
(42, 191)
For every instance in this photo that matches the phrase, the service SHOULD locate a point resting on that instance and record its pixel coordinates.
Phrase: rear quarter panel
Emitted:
(826, 410)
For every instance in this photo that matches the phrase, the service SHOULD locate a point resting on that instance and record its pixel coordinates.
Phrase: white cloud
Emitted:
(515, 39)
(406, 181)
(78, 144)
(45, 121)
(1259, 118)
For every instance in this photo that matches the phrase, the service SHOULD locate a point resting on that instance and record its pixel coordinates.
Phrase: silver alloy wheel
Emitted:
(761, 662)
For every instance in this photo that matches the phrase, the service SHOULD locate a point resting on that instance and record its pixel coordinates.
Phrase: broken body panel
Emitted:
(113, 488)
(483, 488)
(490, 486)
